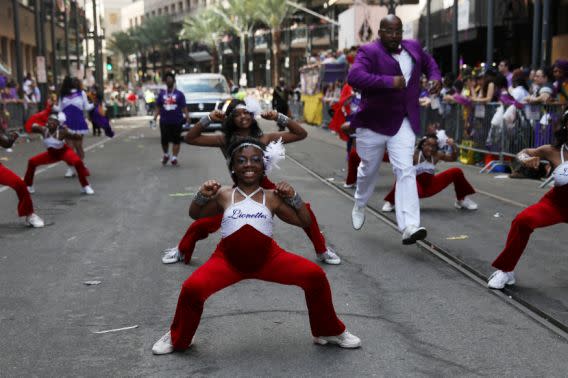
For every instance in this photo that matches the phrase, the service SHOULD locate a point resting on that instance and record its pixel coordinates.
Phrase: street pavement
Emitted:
(416, 315)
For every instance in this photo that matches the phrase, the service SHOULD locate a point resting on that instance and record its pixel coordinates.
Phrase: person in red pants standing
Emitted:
(248, 251)
(238, 122)
(429, 183)
(550, 210)
(9, 178)
(54, 135)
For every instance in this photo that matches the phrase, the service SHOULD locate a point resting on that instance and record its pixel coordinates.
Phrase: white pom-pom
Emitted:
(275, 152)
(253, 106)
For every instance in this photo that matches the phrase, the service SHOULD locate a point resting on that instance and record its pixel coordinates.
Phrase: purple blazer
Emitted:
(382, 107)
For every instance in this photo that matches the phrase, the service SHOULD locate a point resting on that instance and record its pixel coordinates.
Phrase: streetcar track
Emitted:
(508, 296)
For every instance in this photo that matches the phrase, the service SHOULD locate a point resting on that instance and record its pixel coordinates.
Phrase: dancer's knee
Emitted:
(313, 277)
(194, 293)
(523, 222)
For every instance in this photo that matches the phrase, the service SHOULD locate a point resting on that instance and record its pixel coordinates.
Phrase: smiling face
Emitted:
(248, 165)
(52, 124)
(429, 147)
(242, 119)
(391, 32)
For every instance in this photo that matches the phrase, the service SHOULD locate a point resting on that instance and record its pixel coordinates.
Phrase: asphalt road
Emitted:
(416, 315)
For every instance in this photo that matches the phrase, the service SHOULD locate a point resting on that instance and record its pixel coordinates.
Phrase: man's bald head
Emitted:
(390, 31)
(390, 21)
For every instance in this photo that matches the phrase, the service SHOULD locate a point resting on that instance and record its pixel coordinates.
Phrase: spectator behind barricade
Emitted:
(489, 91)
(560, 73)
(505, 70)
(280, 97)
(543, 87)
(12, 93)
(519, 89)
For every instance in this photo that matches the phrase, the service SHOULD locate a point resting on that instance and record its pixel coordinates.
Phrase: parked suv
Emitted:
(203, 94)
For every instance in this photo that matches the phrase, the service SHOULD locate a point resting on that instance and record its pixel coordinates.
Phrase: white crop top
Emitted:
(247, 211)
(425, 166)
(52, 140)
(560, 174)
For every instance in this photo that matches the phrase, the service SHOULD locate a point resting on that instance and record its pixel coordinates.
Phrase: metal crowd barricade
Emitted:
(496, 129)
(16, 115)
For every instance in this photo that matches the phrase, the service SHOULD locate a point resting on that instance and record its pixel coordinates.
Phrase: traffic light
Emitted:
(109, 64)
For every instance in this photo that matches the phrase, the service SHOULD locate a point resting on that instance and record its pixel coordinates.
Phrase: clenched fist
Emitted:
(217, 116)
(209, 188)
(284, 190)
(271, 115)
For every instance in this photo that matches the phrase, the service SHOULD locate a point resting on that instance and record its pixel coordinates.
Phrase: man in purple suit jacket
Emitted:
(387, 72)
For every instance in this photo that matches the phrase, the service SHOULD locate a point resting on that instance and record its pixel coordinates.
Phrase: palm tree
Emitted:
(273, 15)
(205, 27)
(140, 42)
(241, 16)
(121, 43)
(160, 34)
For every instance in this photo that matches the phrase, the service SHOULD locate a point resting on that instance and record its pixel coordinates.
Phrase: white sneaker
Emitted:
(412, 234)
(87, 190)
(164, 345)
(466, 203)
(349, 186)
(329, 257)
(499, 279)
(31, 189)
(387, 207)
(34, 221)
(345, 340)
(171, 256)
(358, 216)
(70, 173)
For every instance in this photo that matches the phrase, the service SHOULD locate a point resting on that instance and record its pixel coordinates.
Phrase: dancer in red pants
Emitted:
(238, 122)
(54, 135)
(247, 250)
(429, 183)
(550, 210)
(9, 178)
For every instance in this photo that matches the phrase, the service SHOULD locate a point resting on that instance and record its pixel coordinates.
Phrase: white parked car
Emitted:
(204, 93)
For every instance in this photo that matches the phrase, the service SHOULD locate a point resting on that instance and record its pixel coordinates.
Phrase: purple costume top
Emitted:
(73, 106)
(100, 120)
(383, 107)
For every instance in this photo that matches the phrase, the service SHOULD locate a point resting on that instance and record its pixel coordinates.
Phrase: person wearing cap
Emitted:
(387, 73)
(10, 179)
(54, 135)
(173, 112)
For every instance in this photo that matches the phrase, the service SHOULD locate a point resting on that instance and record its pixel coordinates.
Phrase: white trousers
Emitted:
(371, 148)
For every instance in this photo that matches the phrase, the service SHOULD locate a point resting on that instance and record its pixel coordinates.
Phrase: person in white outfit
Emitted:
(387, 72)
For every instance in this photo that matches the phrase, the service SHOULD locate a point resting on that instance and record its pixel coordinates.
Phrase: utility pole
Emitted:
(54, 44)
(66, 40)
(537, 18)
(86, 29)
(455, 68)
(546, 33)
(429, 46)
(490, 30)
(98, 61)
(77, 48)
(16, 14)
(40, 44)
